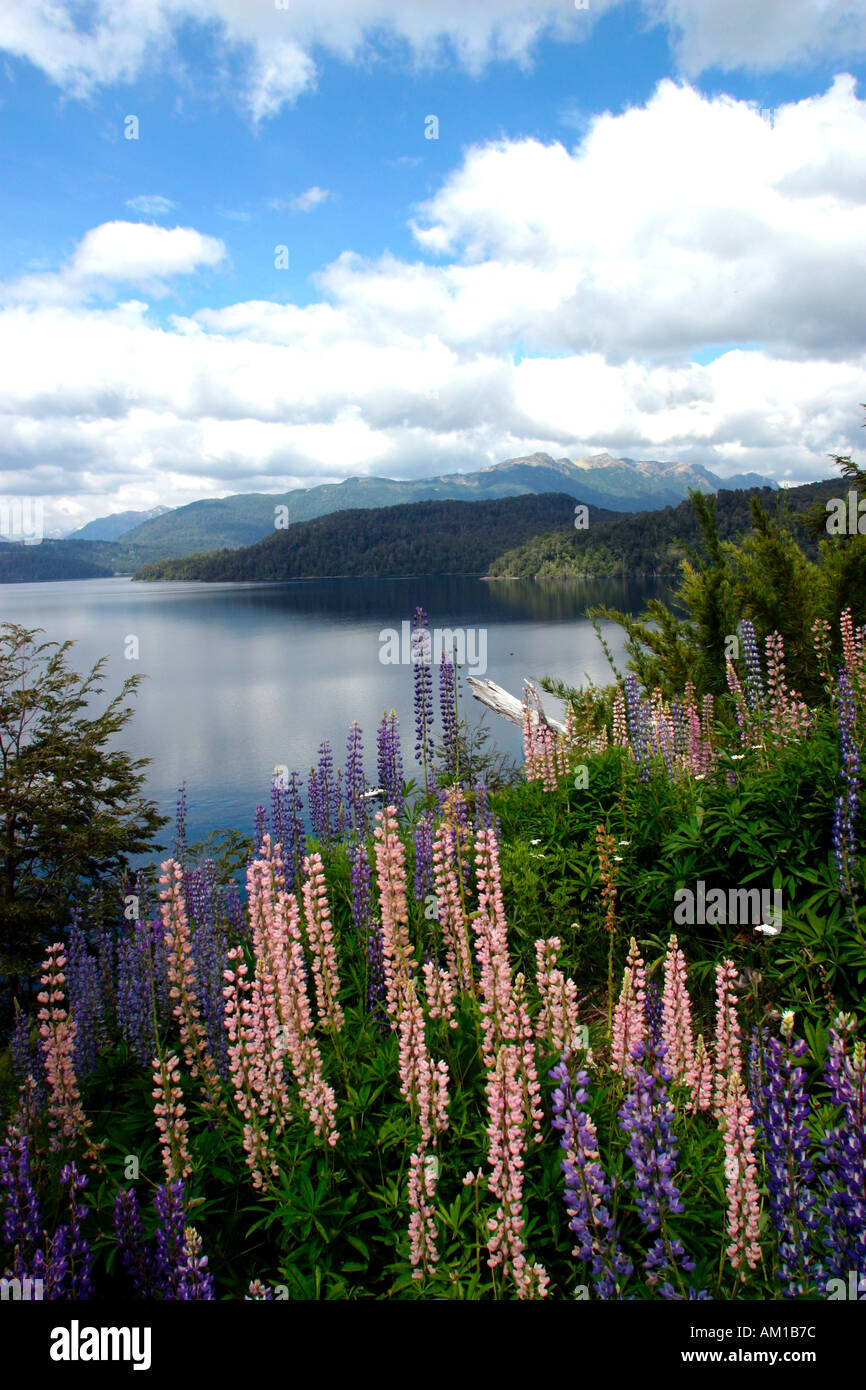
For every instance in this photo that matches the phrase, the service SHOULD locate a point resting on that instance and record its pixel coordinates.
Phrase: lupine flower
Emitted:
(245, 1069)
(588, 1193)
(183, 984)
(423, 883)
(558, 995)
(85, 1000)
(646, 1116)
(629, 1019)
(790, 1175)
(702, 1076)
(22, 1219)
(390, 762)
(844, 1152)
(743, 1197)
(323, 951)
(423, 678)
(137, 1258)
(180, 843)
(170, 1113)
(356, 783)
(728, 1058)
(845, 813)
(194, 1280)
(620, 729)
(498, 1015)
(676, 1032)
(440, 992)
(423, 1254)
(754, 681)
(528, 1070)
(135, 991)
(368, 929)
(397, 949)
(57, 1033)
(505, 1130)
(453, 925)
(448, 711)
(259, 1292)
(78, 1257)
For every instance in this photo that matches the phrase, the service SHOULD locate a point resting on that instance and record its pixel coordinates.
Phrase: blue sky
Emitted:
(606, 247)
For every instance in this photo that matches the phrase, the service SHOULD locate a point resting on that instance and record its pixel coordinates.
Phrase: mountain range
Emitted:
(621, 485)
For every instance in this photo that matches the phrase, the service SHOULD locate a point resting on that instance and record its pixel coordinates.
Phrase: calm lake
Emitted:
(241, 678)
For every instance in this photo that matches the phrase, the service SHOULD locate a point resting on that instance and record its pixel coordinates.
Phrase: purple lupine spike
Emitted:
(423, 681)
(754, 679)
(847, 805)
(194, 1279)
(681, 738)
(356, 784)
(368, 929)
(390, 761)
(424, 882)
(588, 1193)
(326, 791)
(844, 1153)
(209, 949)
(485, 819)
(180, 844)
(22, 1221)
(314, 799)
(170, 1203)
(135, 991)
(260, 829)
(78, 1252)
(637, 722)
(654, 1010)
(22, 1052)
(790, 1175)
(448, 711)
(646, 1116)
(137, 1259)
(85, 999)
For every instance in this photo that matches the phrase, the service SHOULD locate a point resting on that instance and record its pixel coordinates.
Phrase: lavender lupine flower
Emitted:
(588, 1192)
(170, 1203)
(423, 679)
(135, 987)
(754, 680)
(637, 725)
(646, 1116)
(484, 817)
(260, 829)
(209, 949)
(448, 711)
(137, 1258)
(180, 844)
(390, 761)
(287, 808)
(369, 930)
(20, 1046)
(790, 1175)
(194, 1279)
(424, 881)
(22, 1221)
(757, 1076)
(845, 814)
(654, 1009)
(106, 948)
(844, 1156)
(77, 1254)
(85, 999)
(356, 783)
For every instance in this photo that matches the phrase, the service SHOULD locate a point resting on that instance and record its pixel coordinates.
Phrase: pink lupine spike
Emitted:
(323, 951)
(728, 1059)
(397, 951)
(743, 1197)
(629, 1018)
(677, 1016)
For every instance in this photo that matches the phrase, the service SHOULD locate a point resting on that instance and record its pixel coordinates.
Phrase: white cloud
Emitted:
(278, 44)
(309, 199)
(150, 204)
(684, 223)
(135, 253)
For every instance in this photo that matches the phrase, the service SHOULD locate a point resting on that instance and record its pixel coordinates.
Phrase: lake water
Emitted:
(241, 678)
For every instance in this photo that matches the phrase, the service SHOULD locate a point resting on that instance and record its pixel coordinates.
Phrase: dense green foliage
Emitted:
(71, 559)
(416, 538)
(657, 542)
(71, 809)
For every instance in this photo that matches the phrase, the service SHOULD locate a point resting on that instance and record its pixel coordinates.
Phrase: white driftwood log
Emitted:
(499, 700)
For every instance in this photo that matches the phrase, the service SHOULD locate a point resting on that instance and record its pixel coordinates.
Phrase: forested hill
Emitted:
(440, 537)
(654, 543)
(69, 559)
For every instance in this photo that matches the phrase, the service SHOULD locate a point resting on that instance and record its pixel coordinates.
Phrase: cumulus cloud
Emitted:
(150, 205)
(135, 253)
(561, 294)
(277, 44)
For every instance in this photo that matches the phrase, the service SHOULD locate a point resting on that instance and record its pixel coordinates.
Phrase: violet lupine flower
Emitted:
(85, 999)
(654, 1012)
(260, 829)
(790, 1175)
(20, 1046)
(637, 724)
(423, 679)
(368, 930)
(754, 681)
(170, 1258)
(588, 1192)
(194, 1279)
(390, 762)
(356, 783)
(757, 1075)
(209, 947)
(287, 808)
(135, 1255)
(424, 881)
(646, 1116)
(844, 1153)
(180, 844)
(77, 1249)
(448, 710)
(845, 813)
(22, 1220)
(135, 991)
